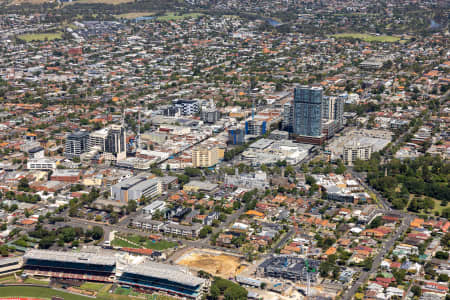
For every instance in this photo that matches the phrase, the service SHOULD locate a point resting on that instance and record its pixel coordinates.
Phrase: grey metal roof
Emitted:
(163, 271)
(9, 260)
(86, 258)
(144, 184)
(130, 182)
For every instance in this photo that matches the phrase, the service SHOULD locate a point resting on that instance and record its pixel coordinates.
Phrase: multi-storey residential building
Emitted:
(236, 136)
(204, 157)
(333, 109)
(76, 144)
(109, 140)
(288, 117)
(328, 107)
(354, 151)
(116, 142)
(182, 230)
(188, 107)
(255, 127)
(210, 115)
(307, 111)
(98, 139)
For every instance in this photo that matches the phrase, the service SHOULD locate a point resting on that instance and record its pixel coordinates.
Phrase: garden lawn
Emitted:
(161, 245)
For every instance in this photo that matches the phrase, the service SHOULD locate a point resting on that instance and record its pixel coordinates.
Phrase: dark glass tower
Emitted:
(307, 111)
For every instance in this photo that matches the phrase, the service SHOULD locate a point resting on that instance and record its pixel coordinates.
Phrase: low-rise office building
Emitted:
(135, 188)
(41, 164)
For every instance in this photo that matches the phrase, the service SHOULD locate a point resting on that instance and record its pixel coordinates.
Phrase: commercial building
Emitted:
(174, 280)
(76, 144)
(153, 207)
(41, 164)
(37, 152)
(28, 145)
(256, 180)
(135, 188)
(66, 175)
(70, 265)
(204, 157)
(279, 135)
(199, 186)
(135, 163)
(307, 111)
(355, 150)
(236, 136)
(249, 281)
(267, 151)
(155, 137)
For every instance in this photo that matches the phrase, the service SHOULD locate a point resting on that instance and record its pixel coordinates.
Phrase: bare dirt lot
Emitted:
(213, 262)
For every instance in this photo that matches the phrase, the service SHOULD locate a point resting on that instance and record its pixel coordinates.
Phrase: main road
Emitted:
(379, 258)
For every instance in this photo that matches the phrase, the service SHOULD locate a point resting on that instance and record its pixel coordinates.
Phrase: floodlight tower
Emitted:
(308, 278)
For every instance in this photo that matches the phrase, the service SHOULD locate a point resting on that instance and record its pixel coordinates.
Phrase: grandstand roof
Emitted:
(83, 258)
(163, 271)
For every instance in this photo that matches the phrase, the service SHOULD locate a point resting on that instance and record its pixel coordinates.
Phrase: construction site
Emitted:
(216, 263)
(290, 267)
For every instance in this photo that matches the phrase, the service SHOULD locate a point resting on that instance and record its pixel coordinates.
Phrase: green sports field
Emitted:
(40, 36)
(368, 37)
(37, 292)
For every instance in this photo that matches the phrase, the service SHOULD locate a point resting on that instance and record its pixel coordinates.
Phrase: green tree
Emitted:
(442, 255)
(416, 290)
(249, 252)
(214, 293)
(131, 206)
(235, 293)
(68, 234)
(443, 278)
(367, 263)
(205, 231)
(97, 232)
(23, 185)
(46, 242)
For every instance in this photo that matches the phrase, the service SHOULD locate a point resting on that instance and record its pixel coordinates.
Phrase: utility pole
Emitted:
(138, 135)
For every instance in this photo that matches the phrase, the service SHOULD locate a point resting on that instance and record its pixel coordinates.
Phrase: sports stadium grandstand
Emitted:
(70, 265)
(173, 280)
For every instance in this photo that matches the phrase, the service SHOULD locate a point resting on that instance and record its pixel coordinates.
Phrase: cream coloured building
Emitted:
(354, 151)
(205, 156)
